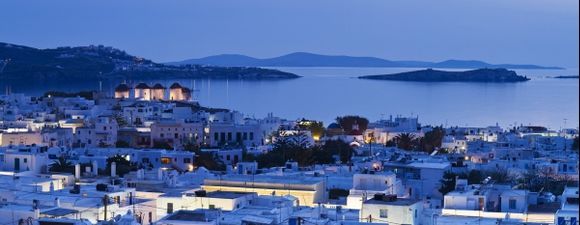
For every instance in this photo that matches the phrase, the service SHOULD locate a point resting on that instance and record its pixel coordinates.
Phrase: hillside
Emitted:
(305, 59)
(100, 62)
(430, 75)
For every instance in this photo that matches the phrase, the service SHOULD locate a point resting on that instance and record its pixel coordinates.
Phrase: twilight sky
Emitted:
(541, 32)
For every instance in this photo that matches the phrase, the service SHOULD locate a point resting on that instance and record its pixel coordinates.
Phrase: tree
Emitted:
(124, 166)
(448, 182)
(406, 141)
(206, 159)
(543, 179)
(192, 147)
(162, 145)
(474, 177)
(120, 119)
(84, 94)
(122, 144)
(209, 161)
(432, 139)
(285, 150)
(349, 122)
(315, 127)
(62, 165)
(248, 157)
(340, 148)
(500, 175)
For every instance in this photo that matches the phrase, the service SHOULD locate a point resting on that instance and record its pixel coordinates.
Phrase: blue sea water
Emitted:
(325, 93)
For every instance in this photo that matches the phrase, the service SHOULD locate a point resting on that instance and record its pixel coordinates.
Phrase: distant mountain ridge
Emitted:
(19, 62)
(305, 59)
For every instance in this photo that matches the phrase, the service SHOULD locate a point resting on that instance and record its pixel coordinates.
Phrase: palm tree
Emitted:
(62, 164)
(405, 141)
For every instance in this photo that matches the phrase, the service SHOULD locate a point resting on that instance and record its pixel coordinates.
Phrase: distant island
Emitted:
(99, 62)
(430, 75)
(305, 59)
(567, 77)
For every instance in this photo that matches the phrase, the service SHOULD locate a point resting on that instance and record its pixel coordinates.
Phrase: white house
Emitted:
(568, 212)
(391, 210)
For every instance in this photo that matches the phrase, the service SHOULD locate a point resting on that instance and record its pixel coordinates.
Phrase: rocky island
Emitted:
(430, 75)
(567, 77)
(99, 62)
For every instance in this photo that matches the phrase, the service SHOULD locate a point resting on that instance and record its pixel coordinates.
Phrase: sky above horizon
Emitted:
(542, 32)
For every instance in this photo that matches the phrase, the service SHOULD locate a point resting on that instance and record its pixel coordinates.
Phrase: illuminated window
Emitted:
(165, 160)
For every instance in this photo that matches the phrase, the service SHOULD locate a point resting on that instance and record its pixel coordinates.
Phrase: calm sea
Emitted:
(325, 93)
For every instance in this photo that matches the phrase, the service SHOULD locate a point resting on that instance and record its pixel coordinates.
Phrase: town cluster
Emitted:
(149, 154)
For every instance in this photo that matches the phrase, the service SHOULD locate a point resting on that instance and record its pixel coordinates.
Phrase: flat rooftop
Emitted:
(226, 194)
(201, 215)
(399, 201)
(301, 180)
(430, 165)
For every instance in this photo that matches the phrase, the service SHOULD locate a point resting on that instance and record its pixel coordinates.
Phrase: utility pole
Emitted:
(105, 203)
(564, 134)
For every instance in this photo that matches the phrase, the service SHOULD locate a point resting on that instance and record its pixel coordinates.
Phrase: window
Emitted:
(165, 160)
(169, 208)
(229, 136)
(512, 204)
(252, 136)
(25, 160)
(572, 201)
(384, 213)
(215, 136)
(186, 160)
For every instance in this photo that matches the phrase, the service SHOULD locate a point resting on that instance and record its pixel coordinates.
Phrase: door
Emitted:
(16, 164)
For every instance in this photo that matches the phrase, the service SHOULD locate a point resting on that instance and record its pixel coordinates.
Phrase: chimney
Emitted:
(113, 169)
(95, 168)
(77, 171)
